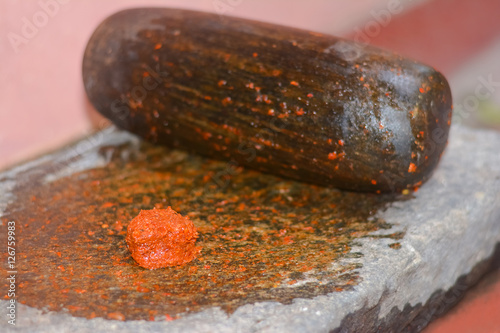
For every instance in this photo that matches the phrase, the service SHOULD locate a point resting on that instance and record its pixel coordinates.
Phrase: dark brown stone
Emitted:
(294, 103)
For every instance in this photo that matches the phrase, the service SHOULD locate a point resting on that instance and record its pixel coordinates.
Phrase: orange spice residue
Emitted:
(161, 238)
(332, 156)
(412, 168)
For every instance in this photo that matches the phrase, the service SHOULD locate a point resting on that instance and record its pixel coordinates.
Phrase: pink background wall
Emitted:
(42, 101)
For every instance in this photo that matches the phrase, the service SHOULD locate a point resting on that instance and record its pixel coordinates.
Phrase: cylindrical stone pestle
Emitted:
(294, 103)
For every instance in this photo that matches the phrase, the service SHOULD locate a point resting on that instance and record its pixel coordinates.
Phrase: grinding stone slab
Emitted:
(278, 255)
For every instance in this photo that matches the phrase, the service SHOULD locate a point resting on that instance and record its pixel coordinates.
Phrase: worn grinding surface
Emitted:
(276, 254)
(262, 238)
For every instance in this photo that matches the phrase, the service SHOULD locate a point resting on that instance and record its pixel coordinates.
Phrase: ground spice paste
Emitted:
(161, 238)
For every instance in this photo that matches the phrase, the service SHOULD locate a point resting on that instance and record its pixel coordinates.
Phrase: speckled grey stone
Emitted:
(452, 226)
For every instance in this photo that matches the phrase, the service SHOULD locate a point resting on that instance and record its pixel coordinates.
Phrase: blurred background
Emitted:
(43, 105)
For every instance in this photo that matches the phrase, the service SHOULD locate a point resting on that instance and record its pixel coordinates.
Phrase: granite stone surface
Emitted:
(394, 276)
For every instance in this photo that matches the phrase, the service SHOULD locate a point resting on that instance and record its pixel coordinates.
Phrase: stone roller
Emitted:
(295, 103)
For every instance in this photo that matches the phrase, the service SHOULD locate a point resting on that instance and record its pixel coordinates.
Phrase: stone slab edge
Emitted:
(452, 227)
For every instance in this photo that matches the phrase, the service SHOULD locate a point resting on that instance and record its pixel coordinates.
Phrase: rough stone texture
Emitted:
(451, 228)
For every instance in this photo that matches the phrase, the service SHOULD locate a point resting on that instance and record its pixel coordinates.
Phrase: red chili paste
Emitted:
(161, 238)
